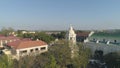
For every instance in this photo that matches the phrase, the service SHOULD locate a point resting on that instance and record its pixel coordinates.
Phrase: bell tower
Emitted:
(71, 36)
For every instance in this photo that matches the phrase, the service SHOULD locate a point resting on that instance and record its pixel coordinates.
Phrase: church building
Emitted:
(71, 35)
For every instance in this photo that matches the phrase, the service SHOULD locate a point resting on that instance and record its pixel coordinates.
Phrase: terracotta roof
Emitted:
(26, 44)
(2, 35)
(85, 34)
(8, 38)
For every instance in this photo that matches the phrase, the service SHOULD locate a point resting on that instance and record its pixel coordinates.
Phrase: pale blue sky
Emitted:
(59, 14)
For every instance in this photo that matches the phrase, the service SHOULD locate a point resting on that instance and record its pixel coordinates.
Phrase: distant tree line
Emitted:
(38, 35)
(6, 31)
(60, 35)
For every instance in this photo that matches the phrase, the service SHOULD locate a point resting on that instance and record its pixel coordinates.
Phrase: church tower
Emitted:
(71, 36)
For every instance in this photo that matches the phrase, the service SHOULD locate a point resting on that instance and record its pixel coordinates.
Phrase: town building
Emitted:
(83, 36)
(22, 48)
(5, 39)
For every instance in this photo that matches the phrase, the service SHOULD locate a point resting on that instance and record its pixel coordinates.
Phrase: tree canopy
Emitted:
(38, 35)
(6, 31)
(113, 60)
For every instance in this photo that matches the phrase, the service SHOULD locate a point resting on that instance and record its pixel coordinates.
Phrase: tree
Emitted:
(98, 55)
(38, 35)
(112, 60)
(6, 31)
(52, 63)
(81, 60)
(62, 54)
(24, 62)
(44, 37)
(5, 62)
(60, 35)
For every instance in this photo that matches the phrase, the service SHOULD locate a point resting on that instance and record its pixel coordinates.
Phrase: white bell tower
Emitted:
(71, 36)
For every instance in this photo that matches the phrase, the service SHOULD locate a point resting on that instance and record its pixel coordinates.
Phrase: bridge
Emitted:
(106, 48)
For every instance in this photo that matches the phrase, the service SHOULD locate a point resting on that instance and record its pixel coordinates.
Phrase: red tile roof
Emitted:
(85, 34)
(2, 35)
(26, 44)
(8, 38)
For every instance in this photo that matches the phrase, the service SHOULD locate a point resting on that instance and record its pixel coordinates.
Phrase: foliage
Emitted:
(112, 60)
(52, 63)
(62, 54)
(5, 62)
(60, 35)
(44, 37)
(24, 62)
(81, 60)
(38, 35)
(98, 55)
(6, 31)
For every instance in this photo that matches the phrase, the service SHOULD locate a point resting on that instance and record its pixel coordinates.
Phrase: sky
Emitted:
(59, 14)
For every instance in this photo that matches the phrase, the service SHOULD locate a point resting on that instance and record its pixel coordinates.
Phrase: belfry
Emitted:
(71, 35)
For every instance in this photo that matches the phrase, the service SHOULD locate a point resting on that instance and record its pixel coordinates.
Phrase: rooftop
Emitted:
(85, 34)
(20, 44)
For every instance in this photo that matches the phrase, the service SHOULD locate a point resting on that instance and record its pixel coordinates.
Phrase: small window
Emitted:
(25, 51)
(36, 49)
(43, 48)
(70, 38)
(31, 50)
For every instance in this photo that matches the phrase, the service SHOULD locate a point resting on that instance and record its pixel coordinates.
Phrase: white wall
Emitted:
(18, 51)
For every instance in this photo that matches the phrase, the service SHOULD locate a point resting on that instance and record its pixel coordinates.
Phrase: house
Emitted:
(22, 48)
(83, 36)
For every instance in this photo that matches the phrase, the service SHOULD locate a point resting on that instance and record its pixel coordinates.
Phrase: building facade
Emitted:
(71, 35)
(23, 48)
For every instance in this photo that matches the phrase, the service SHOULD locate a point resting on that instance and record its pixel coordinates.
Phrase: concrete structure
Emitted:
(22, 48)
(71, 36)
